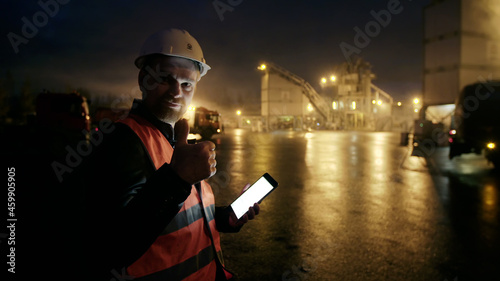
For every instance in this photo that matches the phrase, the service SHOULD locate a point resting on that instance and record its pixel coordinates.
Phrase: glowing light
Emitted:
(416, 110)
(310, 107)
(453, 132)
(353, 105)
(379, 102)
(374, 101)
(416, 101)
(192, 108)
(399, 103)
(238, 112)
(334, 105)
(333, 78)
(323, 80)
(491, 145)
(218, 130)
(262, 67)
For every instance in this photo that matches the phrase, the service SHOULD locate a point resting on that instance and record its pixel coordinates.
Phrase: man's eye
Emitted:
(187, 85)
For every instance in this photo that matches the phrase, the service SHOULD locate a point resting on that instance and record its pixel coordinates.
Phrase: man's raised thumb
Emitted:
(181, 131)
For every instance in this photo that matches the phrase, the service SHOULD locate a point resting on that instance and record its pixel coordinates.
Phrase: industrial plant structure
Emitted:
(349, 100)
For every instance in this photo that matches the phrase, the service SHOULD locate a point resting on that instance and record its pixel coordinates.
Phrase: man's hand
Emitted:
(250, 215)
(192, 162)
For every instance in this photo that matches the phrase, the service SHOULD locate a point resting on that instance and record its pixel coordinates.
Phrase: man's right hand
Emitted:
(192, 162)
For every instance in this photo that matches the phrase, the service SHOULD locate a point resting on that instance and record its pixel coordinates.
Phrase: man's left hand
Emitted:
(250, 215)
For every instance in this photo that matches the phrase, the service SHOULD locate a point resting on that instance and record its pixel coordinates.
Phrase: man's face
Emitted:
(168, 85)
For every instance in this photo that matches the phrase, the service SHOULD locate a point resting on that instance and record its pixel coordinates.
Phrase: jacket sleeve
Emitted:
(128, 201)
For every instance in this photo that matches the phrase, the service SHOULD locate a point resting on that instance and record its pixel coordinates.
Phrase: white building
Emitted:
(461, 47)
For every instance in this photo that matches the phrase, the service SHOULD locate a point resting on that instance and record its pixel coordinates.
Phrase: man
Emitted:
(151, 214)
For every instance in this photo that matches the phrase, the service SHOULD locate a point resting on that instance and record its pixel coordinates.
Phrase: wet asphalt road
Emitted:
(358, 206)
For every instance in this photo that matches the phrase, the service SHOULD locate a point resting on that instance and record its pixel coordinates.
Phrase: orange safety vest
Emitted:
(184, 250)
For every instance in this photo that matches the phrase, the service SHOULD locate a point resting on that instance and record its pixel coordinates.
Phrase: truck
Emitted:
(475, 125)
(112, 114)
(62, 111)
(62, 120)
(203, 121)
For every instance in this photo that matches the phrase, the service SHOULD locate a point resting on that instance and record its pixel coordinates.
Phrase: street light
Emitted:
(262, 67)
(238, 112)
(379, 102)
(416, 101)
(333, 78)
(323, 80)
(399, 103)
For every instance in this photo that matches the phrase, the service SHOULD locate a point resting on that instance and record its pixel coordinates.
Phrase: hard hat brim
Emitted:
(204, 68)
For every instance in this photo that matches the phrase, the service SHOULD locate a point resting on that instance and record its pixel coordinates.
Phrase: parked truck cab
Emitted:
(475, 126)
(63, 111)
(203, 121)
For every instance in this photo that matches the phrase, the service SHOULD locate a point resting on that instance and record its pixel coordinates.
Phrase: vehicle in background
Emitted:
(113, 114)
(426, 130)
(61, 111)
(203, 121)
(475, 126)
(62, 120)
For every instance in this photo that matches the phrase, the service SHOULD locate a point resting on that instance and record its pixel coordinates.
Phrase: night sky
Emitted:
(92, 44)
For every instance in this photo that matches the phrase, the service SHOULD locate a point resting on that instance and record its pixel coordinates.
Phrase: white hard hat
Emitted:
(173, 42)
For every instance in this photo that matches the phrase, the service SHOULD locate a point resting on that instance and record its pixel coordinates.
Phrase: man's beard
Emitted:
(167, 114)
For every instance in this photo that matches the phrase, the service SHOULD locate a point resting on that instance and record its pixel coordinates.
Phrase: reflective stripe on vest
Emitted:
(183, 251)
